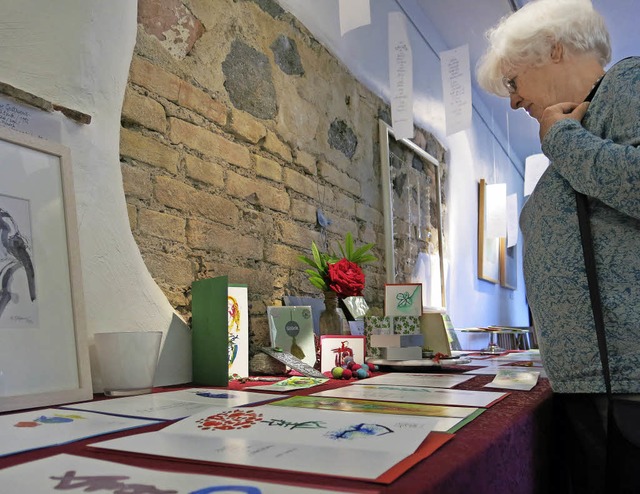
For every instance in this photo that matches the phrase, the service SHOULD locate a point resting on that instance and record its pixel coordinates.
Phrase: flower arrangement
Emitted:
(340, 274)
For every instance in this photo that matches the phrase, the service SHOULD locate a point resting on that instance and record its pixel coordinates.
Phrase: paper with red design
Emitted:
(325, 442)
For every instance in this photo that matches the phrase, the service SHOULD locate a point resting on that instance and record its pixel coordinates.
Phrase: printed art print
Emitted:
(18, 295)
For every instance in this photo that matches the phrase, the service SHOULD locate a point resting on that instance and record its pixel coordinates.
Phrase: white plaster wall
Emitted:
(76, 53)
(472, 154)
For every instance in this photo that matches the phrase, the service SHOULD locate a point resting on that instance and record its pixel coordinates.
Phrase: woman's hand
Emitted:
(561, 111)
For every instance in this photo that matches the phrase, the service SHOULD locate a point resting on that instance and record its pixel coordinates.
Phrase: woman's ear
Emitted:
(557, 52)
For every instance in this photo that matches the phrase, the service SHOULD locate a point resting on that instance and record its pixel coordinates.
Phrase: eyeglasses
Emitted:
(510, 84)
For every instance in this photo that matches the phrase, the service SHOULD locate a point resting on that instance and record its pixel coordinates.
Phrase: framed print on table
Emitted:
(44, 358)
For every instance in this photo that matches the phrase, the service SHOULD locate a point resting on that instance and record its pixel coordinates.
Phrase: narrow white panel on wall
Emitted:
(353, 14)
(534, 167)
(496, 210)
(456, 88)
(512, 220)
(400, 76)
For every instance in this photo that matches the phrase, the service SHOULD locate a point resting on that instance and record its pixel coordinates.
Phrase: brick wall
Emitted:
(237, 126)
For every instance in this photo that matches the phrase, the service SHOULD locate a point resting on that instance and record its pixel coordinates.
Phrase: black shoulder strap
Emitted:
(582, 204)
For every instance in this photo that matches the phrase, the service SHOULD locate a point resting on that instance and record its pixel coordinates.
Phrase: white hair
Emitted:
(527, 37)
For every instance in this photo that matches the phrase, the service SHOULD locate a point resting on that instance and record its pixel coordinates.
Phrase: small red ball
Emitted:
(371, 366)
(347, 374)
(355, 367)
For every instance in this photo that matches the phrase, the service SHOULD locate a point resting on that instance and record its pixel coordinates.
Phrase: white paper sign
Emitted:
(456, 88)
(400, 76)
(512, 220)
(67, 473)
(495, 210)
(353, 14)
(534, 166)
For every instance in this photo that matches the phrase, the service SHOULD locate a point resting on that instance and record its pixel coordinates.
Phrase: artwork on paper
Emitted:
(79, 474)
(335, 348)
(291, 329)
(403, 299)
(172, 405)
(42, 428)
(450, 420)
(326, 442)
(415, 394)
(238, 320)
(18, 297)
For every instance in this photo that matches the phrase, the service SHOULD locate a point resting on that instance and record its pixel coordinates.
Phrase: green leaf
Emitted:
(308, 261)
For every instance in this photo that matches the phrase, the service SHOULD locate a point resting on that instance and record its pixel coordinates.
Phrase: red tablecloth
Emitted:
(507, 449)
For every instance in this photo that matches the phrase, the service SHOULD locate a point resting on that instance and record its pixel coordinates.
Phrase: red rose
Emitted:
(346, 278)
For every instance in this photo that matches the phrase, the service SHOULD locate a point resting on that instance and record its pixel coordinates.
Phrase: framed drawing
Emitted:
(335, 348)
(44, 358)
(412, 211)
(488, 247)
(508, 265)
(403, 299)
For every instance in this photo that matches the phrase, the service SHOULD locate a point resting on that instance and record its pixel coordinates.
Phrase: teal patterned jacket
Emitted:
(601, 159)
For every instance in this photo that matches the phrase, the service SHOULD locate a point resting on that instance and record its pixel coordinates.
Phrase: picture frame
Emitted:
(43, 340)
(335, 347)
(420, 199)
(488, 247)
(403, 299)
(508, 265)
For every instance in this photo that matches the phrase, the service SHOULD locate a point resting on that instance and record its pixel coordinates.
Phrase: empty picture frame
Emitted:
(393, 218)
(508, 265)
(44, 358)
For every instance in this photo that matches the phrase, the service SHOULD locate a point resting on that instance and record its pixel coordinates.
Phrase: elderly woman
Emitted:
(549, 58)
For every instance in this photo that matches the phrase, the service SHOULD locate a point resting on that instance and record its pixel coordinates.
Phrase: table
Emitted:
(507, 449)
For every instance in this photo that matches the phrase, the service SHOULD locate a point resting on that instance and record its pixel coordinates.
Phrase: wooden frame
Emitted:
(488, 248)
(44, 357)
(385, 131)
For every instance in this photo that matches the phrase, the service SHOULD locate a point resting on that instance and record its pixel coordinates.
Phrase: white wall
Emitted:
(472, 154)
(76, 53)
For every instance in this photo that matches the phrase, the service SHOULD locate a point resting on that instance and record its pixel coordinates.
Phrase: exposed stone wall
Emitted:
(237, 127)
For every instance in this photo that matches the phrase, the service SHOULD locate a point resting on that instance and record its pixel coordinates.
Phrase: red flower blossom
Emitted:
(346, 278)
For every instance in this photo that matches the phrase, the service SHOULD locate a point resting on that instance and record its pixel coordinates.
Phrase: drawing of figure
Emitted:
(342, 352)
(14, 254)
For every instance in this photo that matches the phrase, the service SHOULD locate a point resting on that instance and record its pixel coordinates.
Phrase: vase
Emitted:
(331, 320)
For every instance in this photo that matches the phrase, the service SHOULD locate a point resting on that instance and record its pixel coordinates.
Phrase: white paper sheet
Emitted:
(79, 474)
(353, 14)
(456, 88)
(495, 210)
(417, 379)
(41, 428)
(400, 76)
(173, 405)
(512, 220)
(534, 166)
(315, 441)
(412, 394)
(523, 380)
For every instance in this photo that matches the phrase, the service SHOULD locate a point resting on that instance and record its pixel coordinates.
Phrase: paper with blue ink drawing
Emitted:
(26, 431)
(171, 405)
(79, 474)
(326, 442)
